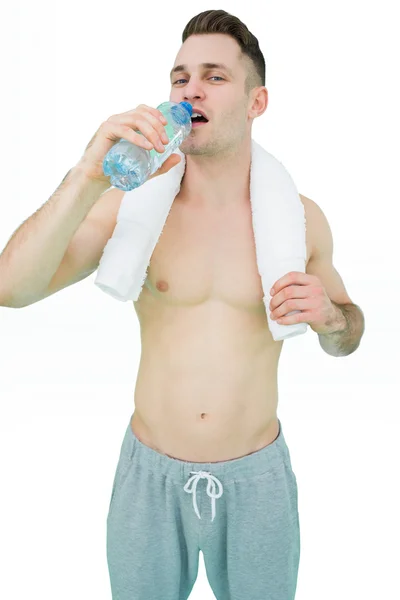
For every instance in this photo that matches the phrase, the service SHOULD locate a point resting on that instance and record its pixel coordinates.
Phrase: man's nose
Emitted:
(193, 91)
(191, 98)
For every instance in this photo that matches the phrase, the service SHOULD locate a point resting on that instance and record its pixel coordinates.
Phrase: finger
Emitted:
(288, 307)
(292, 278)
(144, 109)
(154, 111)
(153, 130)
(298, 317)
(145, 121)
(290, 291)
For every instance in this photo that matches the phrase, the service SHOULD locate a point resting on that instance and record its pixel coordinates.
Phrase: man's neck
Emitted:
(211, 183)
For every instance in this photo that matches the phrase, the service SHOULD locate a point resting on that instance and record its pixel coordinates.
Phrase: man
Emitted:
(206, 394)
(207, 387)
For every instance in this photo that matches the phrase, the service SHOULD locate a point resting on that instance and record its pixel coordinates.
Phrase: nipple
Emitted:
(162, 286)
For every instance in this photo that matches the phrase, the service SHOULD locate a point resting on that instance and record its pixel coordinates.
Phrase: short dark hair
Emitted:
(219, 21)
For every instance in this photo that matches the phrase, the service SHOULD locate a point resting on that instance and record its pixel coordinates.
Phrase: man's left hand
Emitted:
(300, 291)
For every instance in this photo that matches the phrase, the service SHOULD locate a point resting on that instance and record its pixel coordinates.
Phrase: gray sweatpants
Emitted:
(242, 514)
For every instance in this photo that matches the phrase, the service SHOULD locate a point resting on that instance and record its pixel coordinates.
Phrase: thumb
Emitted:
(171, 161)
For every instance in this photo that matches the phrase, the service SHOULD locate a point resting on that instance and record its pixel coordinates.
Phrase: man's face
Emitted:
(218, 92)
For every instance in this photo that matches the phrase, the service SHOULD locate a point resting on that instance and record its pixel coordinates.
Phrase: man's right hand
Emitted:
(149, 121)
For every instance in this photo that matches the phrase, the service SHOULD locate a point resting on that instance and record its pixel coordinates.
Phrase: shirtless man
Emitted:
(206, 394)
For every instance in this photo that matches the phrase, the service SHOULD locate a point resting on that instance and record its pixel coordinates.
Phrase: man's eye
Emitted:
(217, 76)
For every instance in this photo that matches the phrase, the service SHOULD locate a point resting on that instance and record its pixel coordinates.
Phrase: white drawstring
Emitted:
(210, 489)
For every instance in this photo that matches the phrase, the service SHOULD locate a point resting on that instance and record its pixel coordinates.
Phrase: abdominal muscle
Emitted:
(206, 389)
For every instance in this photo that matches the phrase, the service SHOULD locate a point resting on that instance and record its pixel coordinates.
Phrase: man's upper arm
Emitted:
(86, 247)
(321, 260)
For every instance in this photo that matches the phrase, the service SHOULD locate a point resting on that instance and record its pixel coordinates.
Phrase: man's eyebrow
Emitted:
(206, 65)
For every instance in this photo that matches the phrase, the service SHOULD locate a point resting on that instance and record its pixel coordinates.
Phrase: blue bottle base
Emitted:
(124, 171)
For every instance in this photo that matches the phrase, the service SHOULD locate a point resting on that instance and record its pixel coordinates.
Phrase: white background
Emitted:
(68, 364)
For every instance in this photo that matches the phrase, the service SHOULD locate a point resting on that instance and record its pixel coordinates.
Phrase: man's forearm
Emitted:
(35, 250)
(347, 333)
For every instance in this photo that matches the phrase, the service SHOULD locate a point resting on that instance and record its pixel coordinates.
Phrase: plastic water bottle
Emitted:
(129, 166)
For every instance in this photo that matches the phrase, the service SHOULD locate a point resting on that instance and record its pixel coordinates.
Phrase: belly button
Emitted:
(162, 286)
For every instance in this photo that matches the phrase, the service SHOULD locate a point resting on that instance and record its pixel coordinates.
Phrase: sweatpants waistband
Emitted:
(257, 463)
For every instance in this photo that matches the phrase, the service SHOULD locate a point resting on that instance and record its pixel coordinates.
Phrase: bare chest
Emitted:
(207, 255)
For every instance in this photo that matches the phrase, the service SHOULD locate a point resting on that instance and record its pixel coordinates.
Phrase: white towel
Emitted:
(278, 221)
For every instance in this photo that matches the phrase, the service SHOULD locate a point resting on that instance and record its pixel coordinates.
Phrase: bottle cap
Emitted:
(188, 107)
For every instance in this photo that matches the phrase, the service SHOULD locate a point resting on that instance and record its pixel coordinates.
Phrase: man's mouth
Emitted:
(198, 123)
(198, 118)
